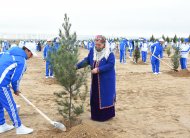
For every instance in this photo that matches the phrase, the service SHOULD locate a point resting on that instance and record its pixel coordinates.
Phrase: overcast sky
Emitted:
(92, 17)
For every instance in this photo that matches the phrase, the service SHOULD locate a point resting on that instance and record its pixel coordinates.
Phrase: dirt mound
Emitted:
(79, 131)
(181, 73)
(86, 131)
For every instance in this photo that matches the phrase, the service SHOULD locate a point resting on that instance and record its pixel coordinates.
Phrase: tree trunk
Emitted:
(70, 103)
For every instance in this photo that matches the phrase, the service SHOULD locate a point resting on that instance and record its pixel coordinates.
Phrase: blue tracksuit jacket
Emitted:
(12, 67)
(47, 50)
(156, 50)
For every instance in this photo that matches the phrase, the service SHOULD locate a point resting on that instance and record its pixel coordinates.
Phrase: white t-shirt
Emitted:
(184, 48)
(144, 47)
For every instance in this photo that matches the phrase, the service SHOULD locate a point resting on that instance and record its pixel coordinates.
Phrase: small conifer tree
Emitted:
(71, 100)
(168, 51)
(163, 37)
(175, 58)
(182, 40)
(136, 53)
(152, 38)
(167, 39)
(175, 39)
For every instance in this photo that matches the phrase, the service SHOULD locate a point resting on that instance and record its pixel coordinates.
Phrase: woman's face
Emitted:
(99, 46)
(49, 42)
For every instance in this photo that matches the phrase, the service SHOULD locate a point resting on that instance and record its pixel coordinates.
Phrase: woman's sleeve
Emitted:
(85, 62)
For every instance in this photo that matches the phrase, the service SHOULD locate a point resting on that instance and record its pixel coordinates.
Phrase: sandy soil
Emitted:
(148, 106)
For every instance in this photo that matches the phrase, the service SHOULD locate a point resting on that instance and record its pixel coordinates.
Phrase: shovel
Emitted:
(165, 63)
(55, 124)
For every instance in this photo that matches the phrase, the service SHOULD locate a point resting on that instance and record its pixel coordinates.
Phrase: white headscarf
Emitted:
(102, 54)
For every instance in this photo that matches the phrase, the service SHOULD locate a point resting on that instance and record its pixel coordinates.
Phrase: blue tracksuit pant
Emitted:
(183, 62)
(155, 64)
(7, 102)
(122, 56)
(144, 56)
(49, 70)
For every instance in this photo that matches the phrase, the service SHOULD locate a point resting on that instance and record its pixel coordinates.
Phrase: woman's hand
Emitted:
(95, 71)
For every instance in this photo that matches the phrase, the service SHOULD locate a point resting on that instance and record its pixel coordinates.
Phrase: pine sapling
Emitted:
(136, 54)
(168, 51)
(175, 58)
(71, 100)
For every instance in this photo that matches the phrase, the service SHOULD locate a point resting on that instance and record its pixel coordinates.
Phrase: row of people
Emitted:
(6, 45)
(156, 50)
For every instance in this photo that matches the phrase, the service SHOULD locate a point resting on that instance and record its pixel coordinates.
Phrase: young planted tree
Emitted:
(168, 51)
(71, 100)
(175, 58)
(152, 38)
(163, 37)
(182, 40)
(167, 39)
(175, 39)
(136, 53)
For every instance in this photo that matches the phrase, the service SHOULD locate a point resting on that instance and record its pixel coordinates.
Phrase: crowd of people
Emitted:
(101, 59)
(128, 48)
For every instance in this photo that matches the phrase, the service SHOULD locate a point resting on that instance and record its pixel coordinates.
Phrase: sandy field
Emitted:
(148, 106)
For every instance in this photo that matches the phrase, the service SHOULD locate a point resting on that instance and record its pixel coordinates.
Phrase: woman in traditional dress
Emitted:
(103, 90)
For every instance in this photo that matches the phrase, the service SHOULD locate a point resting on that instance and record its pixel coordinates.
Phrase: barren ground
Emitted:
(148, 106)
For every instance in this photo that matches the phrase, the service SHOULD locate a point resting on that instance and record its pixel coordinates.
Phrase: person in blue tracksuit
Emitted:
(47, 49)
(85, 44)
(122, 47)
(88, 44)
(131, 47)
(39, 48)
(12, 67)
(185, 48)
(92, 44)
(5, 46)
(157, 52)
(144, 50)
(56, 44)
